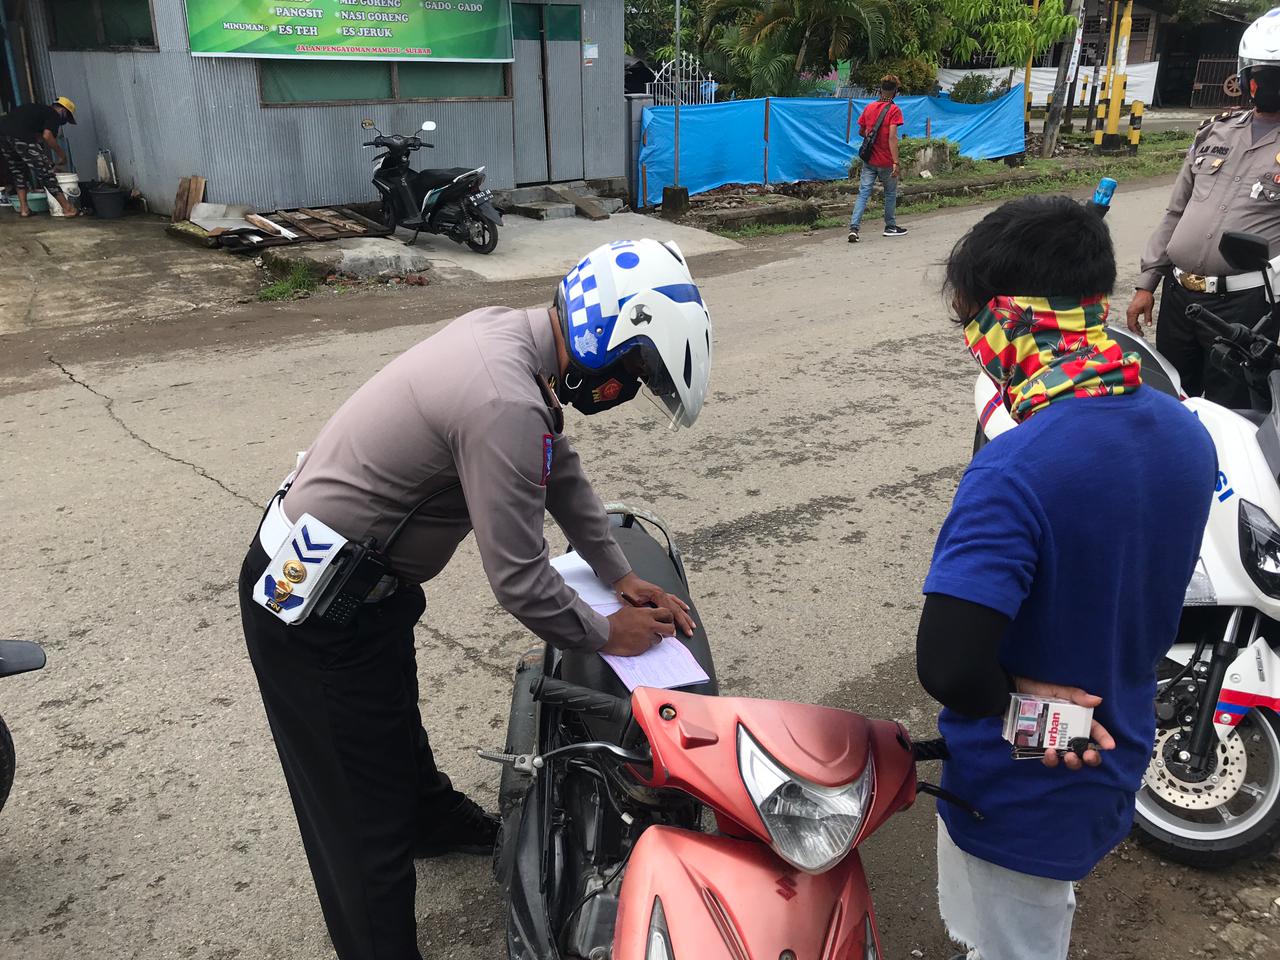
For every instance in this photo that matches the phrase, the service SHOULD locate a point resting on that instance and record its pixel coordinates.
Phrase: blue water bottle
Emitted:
(1102, 196)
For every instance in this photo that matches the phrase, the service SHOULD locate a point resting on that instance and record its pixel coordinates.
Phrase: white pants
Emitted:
(1000, 914)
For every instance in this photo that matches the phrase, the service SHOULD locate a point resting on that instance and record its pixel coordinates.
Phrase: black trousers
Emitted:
(1186, 344)
(343, 708)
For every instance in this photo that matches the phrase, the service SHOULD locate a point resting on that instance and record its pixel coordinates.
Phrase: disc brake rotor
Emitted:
(1223, 783)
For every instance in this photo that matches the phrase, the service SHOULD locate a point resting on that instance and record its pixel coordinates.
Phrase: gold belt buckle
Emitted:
(1194, 282)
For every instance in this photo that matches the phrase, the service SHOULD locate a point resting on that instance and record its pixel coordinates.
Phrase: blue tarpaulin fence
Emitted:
(785, 139)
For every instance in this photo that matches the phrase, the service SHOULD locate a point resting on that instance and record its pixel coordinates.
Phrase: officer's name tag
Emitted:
(297, 575)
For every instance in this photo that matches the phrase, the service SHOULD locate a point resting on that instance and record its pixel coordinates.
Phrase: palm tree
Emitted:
(817, 33)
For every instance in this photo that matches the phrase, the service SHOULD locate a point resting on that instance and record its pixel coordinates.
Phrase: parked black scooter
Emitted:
(16, 656)
(449, 202)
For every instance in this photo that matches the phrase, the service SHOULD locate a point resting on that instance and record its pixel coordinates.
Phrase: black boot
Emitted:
(465, 828)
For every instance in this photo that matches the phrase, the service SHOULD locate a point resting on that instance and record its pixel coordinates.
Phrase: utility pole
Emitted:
(1061, 98)
(1111, 139)
(679, 93)
(1026, 86)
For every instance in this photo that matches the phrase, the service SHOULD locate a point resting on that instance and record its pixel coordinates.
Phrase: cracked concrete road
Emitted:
(150, 820)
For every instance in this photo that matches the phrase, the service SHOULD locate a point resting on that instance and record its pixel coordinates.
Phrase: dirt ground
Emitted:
(150, 819)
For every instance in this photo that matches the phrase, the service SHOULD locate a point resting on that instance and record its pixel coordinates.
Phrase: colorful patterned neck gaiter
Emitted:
(1040, 350)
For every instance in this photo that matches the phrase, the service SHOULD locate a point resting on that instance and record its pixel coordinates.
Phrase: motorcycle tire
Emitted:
(490, 241)
(7, 764)
(1215, 852)
(522, 735)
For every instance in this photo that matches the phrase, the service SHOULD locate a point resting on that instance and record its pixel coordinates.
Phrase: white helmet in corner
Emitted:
(1259, 45)
(631, 313)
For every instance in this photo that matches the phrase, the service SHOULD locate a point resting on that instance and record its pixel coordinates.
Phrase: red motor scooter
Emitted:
(605, 853)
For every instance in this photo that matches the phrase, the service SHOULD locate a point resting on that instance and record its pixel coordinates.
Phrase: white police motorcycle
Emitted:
(1211, 794)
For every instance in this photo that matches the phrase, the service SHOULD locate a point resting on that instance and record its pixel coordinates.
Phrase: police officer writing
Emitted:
(1230, 181)
(462, 433)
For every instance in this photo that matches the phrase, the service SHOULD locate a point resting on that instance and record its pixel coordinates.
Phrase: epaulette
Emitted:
(1225, 115)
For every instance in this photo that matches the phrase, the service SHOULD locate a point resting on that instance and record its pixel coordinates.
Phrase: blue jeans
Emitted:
(870, 175)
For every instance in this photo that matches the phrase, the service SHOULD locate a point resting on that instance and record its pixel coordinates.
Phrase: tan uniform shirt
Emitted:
(1228, 182)
(466, 407)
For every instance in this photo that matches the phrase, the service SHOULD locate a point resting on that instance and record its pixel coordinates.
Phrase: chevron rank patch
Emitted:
(298, 573)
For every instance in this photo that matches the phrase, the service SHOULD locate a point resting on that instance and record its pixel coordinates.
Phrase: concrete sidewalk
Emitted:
(65, 273)
(529, 249)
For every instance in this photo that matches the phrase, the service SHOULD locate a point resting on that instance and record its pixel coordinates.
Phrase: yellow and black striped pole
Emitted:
(1135, 126)
(1113, 140)
(1100, 124)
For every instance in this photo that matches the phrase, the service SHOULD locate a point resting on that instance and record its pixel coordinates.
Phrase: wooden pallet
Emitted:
(307, 224)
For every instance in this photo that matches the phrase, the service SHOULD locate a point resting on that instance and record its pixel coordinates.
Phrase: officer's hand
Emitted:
(1140, 310)
(642, 593)
(633, 630)
(1097, 733)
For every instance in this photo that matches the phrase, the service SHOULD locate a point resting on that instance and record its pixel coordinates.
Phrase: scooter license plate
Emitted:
(481, 198)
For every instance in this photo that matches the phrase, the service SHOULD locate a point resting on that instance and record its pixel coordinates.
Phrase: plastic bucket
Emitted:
(70, 184)
(38, 201)
(108, 202)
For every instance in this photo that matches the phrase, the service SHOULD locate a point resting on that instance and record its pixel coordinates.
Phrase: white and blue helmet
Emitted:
(638, 295)
(1259, 46)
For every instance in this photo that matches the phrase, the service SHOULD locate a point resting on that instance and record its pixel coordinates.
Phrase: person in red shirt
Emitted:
(883, 165)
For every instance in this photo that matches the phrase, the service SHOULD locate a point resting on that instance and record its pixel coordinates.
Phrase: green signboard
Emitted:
(475, 30)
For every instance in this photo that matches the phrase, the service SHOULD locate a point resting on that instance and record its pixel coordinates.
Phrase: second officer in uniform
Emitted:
(1230, 181)
(460, 434)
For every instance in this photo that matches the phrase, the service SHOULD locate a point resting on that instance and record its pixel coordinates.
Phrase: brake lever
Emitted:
(529, 763)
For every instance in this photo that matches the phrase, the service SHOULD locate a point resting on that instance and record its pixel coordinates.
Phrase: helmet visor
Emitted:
(646, 363)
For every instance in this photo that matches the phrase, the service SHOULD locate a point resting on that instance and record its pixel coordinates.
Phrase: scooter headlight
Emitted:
(659, 937)
(1260, 548)
(811, 827)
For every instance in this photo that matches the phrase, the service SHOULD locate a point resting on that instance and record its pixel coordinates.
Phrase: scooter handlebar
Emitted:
(593, 703)
(924, 750)
(1196, 313)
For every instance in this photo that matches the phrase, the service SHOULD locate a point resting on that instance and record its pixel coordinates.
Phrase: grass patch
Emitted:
(294, 285)
(753, 230)
(1160, 156)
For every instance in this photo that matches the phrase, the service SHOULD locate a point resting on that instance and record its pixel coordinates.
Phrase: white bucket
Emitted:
(70, 184)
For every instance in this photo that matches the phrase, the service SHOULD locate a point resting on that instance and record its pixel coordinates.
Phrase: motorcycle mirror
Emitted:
(429, 125)
(19, 656)
(366, 123)
(1246, 252)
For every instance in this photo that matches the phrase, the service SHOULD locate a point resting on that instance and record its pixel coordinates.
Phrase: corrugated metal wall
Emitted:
(167, 114)
(604, 110)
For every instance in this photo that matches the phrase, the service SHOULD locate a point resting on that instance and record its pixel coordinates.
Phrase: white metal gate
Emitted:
(683, 81)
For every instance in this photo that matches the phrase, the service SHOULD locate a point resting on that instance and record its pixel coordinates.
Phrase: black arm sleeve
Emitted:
(957, 656)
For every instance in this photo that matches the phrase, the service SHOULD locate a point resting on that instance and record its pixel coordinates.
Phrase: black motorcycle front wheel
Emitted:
(488, 240)
(1230, 814)
(7, 763)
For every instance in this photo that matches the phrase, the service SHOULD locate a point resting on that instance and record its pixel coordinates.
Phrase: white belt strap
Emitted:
(275, 528)
(1237, 284)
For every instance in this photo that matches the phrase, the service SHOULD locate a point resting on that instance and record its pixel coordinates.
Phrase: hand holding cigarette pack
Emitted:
(1036, 724)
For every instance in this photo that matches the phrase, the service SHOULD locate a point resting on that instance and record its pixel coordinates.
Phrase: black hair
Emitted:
(889, 84)
(1034, 246)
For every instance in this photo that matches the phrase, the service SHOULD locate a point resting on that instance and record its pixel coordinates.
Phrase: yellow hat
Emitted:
(68, 105)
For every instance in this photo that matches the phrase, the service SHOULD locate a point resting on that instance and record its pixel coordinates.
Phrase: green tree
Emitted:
(650, 28)
(767, 47)
(1005, 29)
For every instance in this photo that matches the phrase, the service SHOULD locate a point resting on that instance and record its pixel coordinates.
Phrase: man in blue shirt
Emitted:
(1059, 572)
